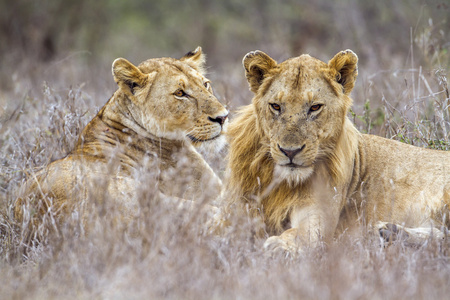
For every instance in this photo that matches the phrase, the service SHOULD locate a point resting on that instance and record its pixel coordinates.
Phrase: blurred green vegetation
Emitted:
(50, 29)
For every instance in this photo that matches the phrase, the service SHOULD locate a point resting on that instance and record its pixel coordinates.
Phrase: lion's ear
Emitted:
(128, 76)
(345, 68)
(196, 59)
(257, 64)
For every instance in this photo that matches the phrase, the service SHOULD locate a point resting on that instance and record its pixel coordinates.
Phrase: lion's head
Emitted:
(294, 133)
(300, 106)
(171, 98)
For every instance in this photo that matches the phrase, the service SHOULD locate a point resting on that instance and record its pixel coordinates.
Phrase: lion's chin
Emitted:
(293, 175)
(211, 146)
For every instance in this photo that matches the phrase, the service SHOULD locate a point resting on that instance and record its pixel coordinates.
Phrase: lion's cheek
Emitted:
(180, 122)
(179, 116)
(325, 132)
(167, 125)
(268, 129)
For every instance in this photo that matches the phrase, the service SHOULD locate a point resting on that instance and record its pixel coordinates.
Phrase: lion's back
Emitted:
(402, 182)
(64, 185)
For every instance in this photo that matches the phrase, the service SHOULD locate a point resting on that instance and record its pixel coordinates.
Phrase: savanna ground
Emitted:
(55, 59)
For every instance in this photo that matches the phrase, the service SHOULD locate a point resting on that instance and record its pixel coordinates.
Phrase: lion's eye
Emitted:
(275, 106)
(180, 93)
(315, 107)
(207, 85)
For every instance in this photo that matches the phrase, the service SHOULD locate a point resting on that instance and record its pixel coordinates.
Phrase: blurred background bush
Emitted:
(96, 32)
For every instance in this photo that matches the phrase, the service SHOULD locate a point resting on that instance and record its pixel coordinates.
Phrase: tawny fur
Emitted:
(340, 178)
(149, 126)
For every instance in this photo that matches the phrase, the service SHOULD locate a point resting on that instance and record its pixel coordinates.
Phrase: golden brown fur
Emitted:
(161, 108)
(298, 160)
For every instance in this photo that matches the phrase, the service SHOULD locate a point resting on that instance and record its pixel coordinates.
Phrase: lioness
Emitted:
(160, 109)
(297, 158)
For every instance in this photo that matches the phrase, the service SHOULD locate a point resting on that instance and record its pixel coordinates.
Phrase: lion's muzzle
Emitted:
(295, 164)
(291, 153)
(209, 128)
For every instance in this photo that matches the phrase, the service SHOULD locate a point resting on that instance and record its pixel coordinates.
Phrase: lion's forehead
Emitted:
(172, 69)
(304, 61)
(300, 74)
(301, 81)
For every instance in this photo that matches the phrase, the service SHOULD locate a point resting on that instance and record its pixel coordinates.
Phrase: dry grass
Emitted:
(168, 254)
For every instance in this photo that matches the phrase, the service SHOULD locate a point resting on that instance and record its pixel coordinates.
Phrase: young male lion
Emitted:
(297, 158)
(160, 109)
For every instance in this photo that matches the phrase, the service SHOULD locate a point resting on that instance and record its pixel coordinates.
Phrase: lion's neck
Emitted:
(341, 161)
(114, 135)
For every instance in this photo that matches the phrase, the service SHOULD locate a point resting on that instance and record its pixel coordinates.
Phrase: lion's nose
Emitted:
(219, 119)
(291, 153)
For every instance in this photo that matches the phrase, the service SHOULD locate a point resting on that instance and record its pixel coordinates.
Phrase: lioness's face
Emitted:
(300, 108)
(175, 100)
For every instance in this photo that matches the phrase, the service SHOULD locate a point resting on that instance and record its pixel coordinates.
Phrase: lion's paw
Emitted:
(279, 245)
(390, 232)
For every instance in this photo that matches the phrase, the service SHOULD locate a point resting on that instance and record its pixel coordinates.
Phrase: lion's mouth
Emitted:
(294, 166)
(199, 140)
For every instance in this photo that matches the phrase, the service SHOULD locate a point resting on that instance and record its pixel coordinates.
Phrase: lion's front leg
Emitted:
(310, 226)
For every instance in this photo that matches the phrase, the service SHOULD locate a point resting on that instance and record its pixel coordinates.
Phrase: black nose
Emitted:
(291, 153)
(219, 119)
